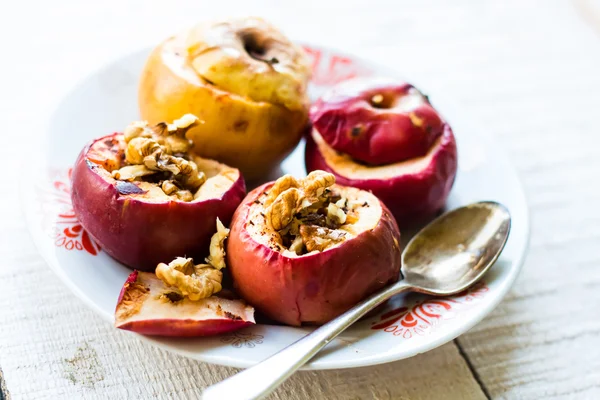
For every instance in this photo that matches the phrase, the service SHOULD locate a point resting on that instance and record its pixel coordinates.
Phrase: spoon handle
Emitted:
(260, 380)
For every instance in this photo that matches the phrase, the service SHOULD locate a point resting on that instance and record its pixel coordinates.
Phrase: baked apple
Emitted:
(244, 78)
(306, 250)
(384, 136)
(145, 200)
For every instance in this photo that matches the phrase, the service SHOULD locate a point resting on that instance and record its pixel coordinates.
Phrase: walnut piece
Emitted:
(198, 281)
(282, 184)
(305, 213)
(137, 129)
(293, 196)
(217, 247)
(139, 148)
(281, 212)
(297, 245)
(335, 214)
(155, 149)
(184, 195)
(168, 187)
(319, 237)
(194, 281)
(316, 182)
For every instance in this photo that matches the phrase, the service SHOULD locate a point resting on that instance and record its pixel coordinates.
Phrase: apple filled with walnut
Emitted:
(183, 299)
(306, 250)
(146, 200)
(384, 136)
(244, 78)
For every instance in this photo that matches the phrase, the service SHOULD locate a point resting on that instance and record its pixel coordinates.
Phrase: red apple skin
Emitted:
(141, 234)
(412, 197)
(184, 328)
(349, 123)
(178, 326)
(314, 288)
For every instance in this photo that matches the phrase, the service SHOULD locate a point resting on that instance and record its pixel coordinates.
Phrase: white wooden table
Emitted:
(528, 71)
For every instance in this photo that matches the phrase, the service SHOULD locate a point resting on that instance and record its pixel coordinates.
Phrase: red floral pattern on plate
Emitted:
(421, 318)
(329, 69)
(59, 219)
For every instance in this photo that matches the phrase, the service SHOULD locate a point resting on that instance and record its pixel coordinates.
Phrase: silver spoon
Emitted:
(444, 258)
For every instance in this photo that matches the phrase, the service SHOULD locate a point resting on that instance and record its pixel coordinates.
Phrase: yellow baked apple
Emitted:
(244, 79)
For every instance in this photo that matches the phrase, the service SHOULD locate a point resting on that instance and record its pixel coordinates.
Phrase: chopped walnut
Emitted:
(189, 175)
(169, 187)
(217, 247)
(184, 195)
(354, 204)
(137, 129)
(197, 281)
(335, 214)
(296, 209)
(319, 237)
(293, 228)
(175, 138)
(282, 184)
(293, 196)
(139, 148)
(157, 149)
(194, 281)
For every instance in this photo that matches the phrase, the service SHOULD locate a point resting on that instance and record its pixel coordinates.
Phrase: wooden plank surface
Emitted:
(526, 71)
(543, 341)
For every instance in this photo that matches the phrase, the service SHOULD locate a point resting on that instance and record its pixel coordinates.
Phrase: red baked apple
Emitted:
(384, 136)
(306, 250)
(147, 306)
(145, 200)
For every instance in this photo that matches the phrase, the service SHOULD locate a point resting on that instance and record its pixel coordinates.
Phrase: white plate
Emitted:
(107, 101)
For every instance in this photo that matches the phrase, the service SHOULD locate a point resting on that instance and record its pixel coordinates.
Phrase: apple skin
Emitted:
(187, 318)
(141, 234)
(313, 288)
(414, 194)
(348, 121)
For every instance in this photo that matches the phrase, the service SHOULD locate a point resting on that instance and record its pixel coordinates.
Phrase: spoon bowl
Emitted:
(449, 255)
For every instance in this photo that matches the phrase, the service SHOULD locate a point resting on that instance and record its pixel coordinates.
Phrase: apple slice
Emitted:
(147, 306)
